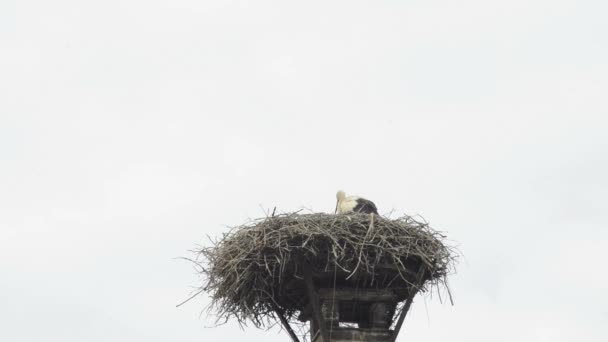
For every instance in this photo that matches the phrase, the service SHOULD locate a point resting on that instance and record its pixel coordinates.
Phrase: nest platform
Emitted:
(258, 272)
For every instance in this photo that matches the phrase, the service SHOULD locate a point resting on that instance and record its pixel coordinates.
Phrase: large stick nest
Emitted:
(256, 269)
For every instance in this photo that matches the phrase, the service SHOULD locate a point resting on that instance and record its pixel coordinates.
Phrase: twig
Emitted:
(190, 298)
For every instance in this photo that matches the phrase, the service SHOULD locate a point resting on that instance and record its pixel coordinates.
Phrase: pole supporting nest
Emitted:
(286, 325)
(408, 302)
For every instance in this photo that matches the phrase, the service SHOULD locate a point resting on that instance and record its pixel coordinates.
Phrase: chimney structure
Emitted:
(349, 312)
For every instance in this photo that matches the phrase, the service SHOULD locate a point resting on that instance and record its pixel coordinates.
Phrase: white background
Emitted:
(131, 129)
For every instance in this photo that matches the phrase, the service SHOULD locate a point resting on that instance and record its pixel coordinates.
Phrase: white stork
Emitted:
(354, 204)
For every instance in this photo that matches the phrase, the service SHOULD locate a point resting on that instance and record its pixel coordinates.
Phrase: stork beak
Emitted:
(336, 211)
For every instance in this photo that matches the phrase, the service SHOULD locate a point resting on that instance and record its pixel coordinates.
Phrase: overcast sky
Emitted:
(131, 129)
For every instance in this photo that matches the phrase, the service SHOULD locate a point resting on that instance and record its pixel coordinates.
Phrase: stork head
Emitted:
(340, 195)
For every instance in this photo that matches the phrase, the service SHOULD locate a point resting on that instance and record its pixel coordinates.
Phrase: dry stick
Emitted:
(371, 226)
(286, 325)
(314, 302)
(333, 300)
(408, 303)
(191, 297)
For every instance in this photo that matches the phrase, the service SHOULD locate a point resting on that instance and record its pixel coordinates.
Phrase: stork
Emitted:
(354, 204)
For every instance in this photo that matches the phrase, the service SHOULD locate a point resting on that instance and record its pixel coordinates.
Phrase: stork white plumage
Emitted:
(354, 204)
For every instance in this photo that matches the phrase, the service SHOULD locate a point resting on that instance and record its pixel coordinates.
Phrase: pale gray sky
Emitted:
(131, 129)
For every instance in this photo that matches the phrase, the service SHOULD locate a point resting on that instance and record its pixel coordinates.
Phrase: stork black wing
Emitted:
(365, 206)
